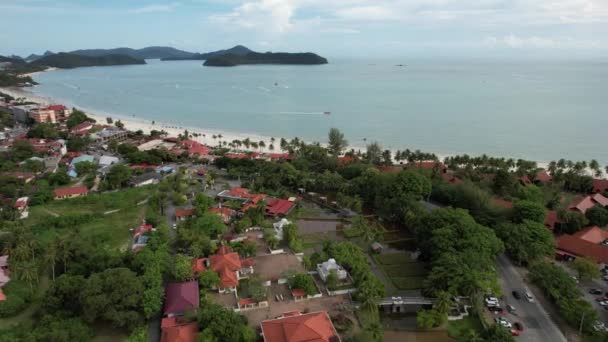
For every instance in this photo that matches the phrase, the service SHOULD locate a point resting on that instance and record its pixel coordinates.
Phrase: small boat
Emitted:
(327, 113)
(276, 84)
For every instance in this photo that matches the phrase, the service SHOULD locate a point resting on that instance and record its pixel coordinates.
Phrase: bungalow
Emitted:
(583, 204)
(145, 179)
(552, 219)
(196, 149)
(589, 243)
(182, 214)
(174, 329)
(26, 177)
(524, 180)
(600, 186)
(181, 297)
(298, 327)
(228, 265)
(22, 206)
(224, 212)
(325, 269)
(543, 177)
(71, 192)
(82, 128)
(279, 207)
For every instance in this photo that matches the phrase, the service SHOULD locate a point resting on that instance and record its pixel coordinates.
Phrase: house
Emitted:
(583, 204)
(450, 178)
(278, 207)
(589, 243)
(139, 238)
(543, 177)
(26, 177)
(195, 149)
(551, 219)
(298, 327)
(49, 147)
(82, 128)
(71, 192)
(524, 180)
(600, 186)
(174, 329)
(145, 179)
(228, 265)
(224, 212)
(181, 297)
(105, 161)
(325, 268)
(80, 159)
(22, 206)
(182, 214)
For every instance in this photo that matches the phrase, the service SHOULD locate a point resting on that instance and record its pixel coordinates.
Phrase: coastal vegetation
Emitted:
(236, 50)
(70, 60)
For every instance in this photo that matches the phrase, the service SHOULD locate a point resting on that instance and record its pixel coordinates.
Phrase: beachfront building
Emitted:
(325, 269)
(275, 207)
(70, 192)
(110, 134)
(228, 265)
(591, 243)
(82, 128)
(583, 204)
(42, 115)
(297, 327)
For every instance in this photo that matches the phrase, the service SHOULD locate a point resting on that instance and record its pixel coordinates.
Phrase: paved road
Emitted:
(585, 286)
(538, 326)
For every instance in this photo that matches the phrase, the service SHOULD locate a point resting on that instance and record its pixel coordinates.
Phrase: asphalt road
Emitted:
(538, 326)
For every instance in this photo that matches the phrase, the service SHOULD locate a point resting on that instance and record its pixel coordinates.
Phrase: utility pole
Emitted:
(580, 329)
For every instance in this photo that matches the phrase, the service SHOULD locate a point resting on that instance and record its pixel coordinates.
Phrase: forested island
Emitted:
(239, 50)
(228, 60)
(65, 60)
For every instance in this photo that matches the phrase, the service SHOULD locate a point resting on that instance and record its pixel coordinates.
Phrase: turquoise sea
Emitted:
(535, 110)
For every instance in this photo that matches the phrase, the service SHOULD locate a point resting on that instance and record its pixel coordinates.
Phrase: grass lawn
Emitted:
(458, 329)
(111, 229)
(405, 273)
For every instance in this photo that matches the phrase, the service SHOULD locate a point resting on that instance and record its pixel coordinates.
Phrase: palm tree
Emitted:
(261, 144)
(29, 273)
(443, 302)
(375, 330)
(51, 256)
(65, 253)
(32, 244)
(473, 336)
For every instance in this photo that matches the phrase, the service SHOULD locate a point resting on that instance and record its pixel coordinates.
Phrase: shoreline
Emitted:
(206, 135)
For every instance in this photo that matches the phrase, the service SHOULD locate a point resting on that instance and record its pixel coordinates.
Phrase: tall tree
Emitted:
(337, 142)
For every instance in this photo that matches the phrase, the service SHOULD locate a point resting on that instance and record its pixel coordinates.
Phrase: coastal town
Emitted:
(114, 234)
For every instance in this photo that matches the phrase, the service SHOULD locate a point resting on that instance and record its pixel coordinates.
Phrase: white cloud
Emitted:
(155, 8)
(367, 13)
(536, 42)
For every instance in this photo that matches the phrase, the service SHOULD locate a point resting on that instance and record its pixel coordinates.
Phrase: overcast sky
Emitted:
(335, 28)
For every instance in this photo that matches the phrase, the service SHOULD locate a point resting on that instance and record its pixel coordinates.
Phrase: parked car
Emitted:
(519, 326)
(503, 322)
(511, 309)
(495, 309)
(595, 291)
(516, 295)
(491, 301)
(514, 332)
(599, 326)
(604, 303)
(529, 297)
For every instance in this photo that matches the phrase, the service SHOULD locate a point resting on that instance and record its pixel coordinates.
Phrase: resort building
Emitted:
(21, 112)
(82, 128)
(228, 265)
(181, 297)
(274, 206)
(111, 133)
(600, 186)
(590, 243)
(71, 192)
(42, 115)
(298, 327)
(182, 214)
(543, 177)
(325, 269)
(583, 204)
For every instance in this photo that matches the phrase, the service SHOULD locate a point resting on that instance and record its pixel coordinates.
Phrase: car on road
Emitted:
(511, 309)
(529, 297)
(514, 332)
(503, 322)
(491, 301)
(495, 309)
(519, 326)
(603, 303)
(516, 295)
(175, 226)
(595, 291)
(599, 326)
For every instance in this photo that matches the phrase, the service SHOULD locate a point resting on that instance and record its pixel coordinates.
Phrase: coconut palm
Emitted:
(443, 302)
(29, 273)
(261, 144)
(51, 256)
(271, 147)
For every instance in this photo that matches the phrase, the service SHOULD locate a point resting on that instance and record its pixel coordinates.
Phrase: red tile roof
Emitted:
(585, 203)
(19, 175)
(225, 212)
(226, 263)
(276, 156)
(525, 180)
(83, 126)
(450, 178)
(144, 228)
(298, 293)
(180, 333)
(180, 297)
(74, 190)
(21, 202)
(344, 160)
(431, 165)
(184, 212)
(592, 234)
(277, 206)
(311, 327)
(56, 107)
(580, 247)
(196, 148)
(142, 166)
(543, 176)
(502, 203)
(551, 219)
(600, 185)
(247, 301)
(600, 199)
(236, 155)
(198, 265)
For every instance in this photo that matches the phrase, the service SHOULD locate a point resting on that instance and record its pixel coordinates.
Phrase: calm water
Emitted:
(540, 111)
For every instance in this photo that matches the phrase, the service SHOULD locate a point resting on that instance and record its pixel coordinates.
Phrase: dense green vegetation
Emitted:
(265, 58)
(69, 60)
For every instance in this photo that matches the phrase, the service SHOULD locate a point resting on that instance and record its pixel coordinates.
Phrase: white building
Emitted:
(329, 265)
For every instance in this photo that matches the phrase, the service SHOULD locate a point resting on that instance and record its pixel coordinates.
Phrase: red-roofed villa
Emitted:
(71, 192)
(228, 265)
(297, 327)
(180, 297)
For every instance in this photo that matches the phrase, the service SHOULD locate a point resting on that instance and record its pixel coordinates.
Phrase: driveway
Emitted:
(538, 326)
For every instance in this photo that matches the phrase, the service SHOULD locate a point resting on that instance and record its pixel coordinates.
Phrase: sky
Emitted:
(333, 28)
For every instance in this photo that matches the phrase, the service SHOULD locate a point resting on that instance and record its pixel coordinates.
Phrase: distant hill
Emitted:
(34, 56)
(151, 52)
(306, 58)
(65, 60)
(238, 50)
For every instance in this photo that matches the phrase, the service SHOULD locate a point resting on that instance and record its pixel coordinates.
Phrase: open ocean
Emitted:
(535, 110)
